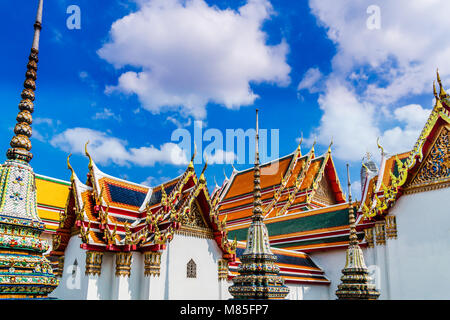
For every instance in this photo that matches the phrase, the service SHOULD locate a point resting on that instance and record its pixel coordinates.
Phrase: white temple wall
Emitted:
(419, 259)
(332, 262)
(104, 281)
(73, 284)
(307, 292)
(124, 287)
(223, 289)
(154, 287)
(206, 254)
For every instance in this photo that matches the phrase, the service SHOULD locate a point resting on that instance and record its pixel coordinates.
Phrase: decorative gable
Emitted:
(435, 169)
(324, 193)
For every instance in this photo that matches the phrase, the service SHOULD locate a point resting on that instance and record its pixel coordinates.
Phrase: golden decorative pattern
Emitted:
(368, 236)
(391, 227)
(94, 262)
(193, 218)
(223, 269)
(123, 264)
(380, 234)
(436, 167)
(152, 263)
(324, 193)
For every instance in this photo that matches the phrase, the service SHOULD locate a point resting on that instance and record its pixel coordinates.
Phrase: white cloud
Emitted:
(310, 79)
(220, 157)
(178, 123)
(153, 181)
(347, 121)
(413, 115)
(375, 69)
(106, 114)
(38, 136)
(191, 54)
(105, 149)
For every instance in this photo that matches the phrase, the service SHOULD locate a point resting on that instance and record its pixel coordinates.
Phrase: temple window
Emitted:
(191, 269)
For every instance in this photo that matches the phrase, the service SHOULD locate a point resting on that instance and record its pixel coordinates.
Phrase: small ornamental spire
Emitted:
(257, 209)
(258, 272)
(351, 216)
(20, 143)
(355, 279)
(442, 93)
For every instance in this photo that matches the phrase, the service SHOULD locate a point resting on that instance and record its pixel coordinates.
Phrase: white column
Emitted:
(151, 283)
(122, 276)
(93, 269)
(92, 290)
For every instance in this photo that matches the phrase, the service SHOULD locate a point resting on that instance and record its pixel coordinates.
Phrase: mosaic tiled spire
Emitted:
(355, 279)
(258, 272)
(20, 143)
(24, 272)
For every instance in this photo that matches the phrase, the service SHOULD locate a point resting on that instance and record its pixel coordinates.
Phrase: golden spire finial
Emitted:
(298, 151)
(442, 92)
(313, 145)
(69, 166)
(434, 90)
(202, 175)
(329, 147)
(20, 143)
(191, 163)
(88, 155)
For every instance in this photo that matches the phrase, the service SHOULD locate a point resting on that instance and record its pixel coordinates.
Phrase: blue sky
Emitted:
(316, 67)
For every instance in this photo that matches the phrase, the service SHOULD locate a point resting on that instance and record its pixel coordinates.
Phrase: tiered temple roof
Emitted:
(112, 214)
(304, 206)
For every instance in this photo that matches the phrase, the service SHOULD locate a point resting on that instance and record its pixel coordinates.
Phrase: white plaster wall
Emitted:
(332, 262)
(419, 260)
(307, 292)
(128, 288)
(154, 287)
(104, 281)
(206, 254)
(72, 288)
(224, 293)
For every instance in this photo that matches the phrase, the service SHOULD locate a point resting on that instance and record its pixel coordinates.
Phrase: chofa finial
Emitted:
(442, 92)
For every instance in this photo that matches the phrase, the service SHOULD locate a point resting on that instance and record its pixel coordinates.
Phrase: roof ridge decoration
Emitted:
(258, 272)
(355, 279)
(25, 273)
(298, 183)
(320, 175)
(284, 180)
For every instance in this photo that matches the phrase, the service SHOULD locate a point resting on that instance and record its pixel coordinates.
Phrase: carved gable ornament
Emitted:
(435, 170)
(193, 223)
